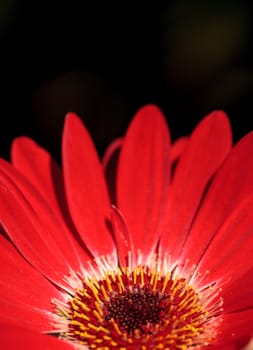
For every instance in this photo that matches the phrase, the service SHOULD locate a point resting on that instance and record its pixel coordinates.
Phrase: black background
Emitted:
(105, 60)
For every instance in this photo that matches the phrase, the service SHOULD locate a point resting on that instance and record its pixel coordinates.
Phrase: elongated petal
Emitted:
(238, 293)
(23, 314)
(86, 191)
(178, 148)
(206, 149)
(41, 170)
(113, 148)
(56, 228)
(32, 236)
(232, 184)
(110, 163)
(21, 286)
(14, 337)
(20, 282)
(236, 327)
(143, 176)
(229, 258)
(122, 237)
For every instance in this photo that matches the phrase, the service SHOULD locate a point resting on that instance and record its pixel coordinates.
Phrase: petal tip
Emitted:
(71, 116)
(150, 110)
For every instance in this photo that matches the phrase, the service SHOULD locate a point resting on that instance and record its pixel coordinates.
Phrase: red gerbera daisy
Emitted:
(161, 260)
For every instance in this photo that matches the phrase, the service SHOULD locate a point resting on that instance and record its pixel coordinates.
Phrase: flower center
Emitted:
(136, 309)
(141, 309)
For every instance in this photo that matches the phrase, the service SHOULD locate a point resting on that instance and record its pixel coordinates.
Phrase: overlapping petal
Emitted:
(37, 165)
(207, 148)
(110, 164)
(177, 149)
(232, 184)
(43, 173)
(122, 236)
(143, 176)
(34, 228)
(86, 190)
(230, 252)
(21, 300)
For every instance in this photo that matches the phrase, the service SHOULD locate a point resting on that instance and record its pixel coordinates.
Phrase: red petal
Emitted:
(113, 148)
(143, 176)
(226, 347)
(222, 347)
(44, 174)
(177, 148)
(110, 163)
(57, 229)
(20, 282)
(13, 338)
(123, 239)
(20, 314)
(237, 293)
(234, 265)
(33, 229)
(21, 299)
(41, 170)
(236, 327)
(232, 184)
(87, 195)
(207, 147)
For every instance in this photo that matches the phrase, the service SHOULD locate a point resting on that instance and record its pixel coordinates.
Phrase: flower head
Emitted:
(149, 249)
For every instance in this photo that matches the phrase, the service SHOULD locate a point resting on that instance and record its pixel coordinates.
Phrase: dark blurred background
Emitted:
(104, 61)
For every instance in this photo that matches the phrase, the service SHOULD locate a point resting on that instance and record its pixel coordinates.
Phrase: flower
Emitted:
(161, 260)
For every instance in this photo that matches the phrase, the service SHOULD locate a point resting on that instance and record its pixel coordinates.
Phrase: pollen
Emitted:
(143, 308)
